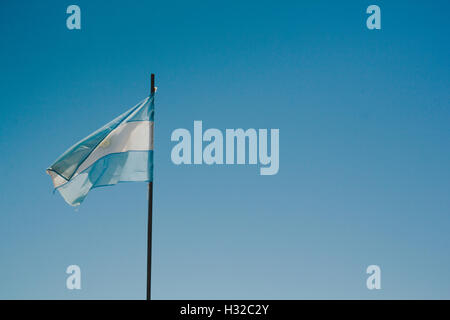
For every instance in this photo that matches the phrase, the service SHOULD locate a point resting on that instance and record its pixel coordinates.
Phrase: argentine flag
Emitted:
(120, 151)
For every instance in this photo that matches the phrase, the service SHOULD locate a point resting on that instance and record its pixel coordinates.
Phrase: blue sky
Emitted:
(364, 149)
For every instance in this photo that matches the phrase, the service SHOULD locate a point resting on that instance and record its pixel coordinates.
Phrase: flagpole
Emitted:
(150, 214)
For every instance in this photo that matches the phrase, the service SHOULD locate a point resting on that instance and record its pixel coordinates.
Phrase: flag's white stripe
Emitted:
(129, 136)
(56, 178)
(135, 136)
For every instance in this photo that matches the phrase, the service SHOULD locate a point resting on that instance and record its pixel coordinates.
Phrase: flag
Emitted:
(120, 151)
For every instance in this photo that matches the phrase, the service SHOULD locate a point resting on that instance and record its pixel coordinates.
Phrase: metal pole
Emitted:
(150, 214)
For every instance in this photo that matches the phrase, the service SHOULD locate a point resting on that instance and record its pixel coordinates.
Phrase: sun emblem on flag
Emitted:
(105, 143)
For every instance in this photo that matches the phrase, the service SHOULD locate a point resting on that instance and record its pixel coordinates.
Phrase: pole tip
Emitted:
(152, 87)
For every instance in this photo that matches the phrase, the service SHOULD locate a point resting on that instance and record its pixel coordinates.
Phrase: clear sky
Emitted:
(364, 149)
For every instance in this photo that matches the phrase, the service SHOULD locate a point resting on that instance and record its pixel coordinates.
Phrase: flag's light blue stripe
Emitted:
(145, 113)
(109, 170)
